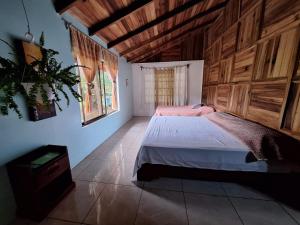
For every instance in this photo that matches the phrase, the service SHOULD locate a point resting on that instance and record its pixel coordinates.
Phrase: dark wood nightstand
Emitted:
(40, 179)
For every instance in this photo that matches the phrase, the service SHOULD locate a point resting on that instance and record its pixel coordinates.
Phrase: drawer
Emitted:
(45, 175)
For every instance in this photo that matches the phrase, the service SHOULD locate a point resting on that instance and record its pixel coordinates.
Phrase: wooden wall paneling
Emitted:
(296, 75)
(278, 10)
(243, 65)
(207, 56)
(225, 72)
(292, 114)
(209, 37)
(247, 5)
(231, 12)
(206, 38)
(223, 97)
(205, 74)
(266, 102)
(204, 95)
(239, 99)
(213, 74)
(229, 41)
(192, 48)
(275, 58)
(215, 54)
(217, 28)
(249, 29)
(211, 95)
(287, 23)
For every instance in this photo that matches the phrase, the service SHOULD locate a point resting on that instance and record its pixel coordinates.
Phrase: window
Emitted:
(107, 96)
(98, 77)
(164, 87)
(99, 103)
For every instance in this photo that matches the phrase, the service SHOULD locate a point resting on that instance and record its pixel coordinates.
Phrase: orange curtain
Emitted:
(111, 66)
(88, 53)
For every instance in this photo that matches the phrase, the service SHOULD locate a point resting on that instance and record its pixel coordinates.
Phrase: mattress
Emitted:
(196, 142)
(182, 110)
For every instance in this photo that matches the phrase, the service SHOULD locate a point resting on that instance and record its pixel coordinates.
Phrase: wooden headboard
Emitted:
(252, 63)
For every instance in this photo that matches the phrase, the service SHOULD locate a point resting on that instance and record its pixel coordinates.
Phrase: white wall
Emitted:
(195, 78)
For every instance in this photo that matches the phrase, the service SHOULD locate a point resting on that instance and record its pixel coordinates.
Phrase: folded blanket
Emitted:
(264, 142)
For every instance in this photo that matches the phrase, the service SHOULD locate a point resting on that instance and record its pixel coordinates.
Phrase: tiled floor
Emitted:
(106, 194)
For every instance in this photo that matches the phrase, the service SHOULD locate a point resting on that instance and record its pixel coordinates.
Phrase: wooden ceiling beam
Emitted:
(177, 27)
(62, 6)
(181, 35)
(118, 15)
(154, 22)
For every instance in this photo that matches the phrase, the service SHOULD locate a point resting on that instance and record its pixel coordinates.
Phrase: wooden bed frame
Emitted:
(150, 172)
(282, 187)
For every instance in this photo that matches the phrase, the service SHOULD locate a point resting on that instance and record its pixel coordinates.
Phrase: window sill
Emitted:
(98, 118)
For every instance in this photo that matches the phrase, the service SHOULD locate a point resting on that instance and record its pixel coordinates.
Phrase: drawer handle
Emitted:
(52, 169)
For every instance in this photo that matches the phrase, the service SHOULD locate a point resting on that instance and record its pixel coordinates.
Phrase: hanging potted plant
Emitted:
(38, 79)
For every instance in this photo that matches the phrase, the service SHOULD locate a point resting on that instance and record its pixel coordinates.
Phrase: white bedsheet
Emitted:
(194, 142)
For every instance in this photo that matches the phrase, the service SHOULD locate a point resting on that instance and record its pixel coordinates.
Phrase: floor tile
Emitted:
(80, 167)
(98, 170)
(258, 212)
(295, 213)
(113, 154)
(164, 183)
(117, 205)
(49, 221)
(161, 207)
(210, 210)
(243, 191)
(203, 187)
(21, 221)
(123, 175)
(77, 204)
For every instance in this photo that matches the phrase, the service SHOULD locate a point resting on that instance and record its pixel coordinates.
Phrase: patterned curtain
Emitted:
(180, 85)
(88, 53)
(111, 66)
(164, 86)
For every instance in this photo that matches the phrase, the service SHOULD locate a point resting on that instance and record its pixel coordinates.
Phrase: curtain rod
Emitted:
(67, 26)
(161, 67)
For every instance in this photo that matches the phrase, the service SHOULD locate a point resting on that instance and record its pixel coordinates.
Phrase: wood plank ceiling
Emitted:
(142, 28)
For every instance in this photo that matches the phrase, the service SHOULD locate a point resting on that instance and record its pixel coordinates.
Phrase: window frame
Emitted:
(100, 75)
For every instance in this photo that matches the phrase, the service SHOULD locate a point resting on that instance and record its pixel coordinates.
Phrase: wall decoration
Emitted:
(38, 77)
(40, 110)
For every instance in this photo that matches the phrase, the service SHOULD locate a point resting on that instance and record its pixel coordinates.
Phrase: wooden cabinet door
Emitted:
(243, 65)
(266, 101)
(239, 99)
(275, 58)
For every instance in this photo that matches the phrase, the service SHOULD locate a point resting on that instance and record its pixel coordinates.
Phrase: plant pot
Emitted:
(28, 86)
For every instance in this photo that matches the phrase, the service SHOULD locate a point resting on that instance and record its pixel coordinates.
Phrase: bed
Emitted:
(188, 110)
(199, 143)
